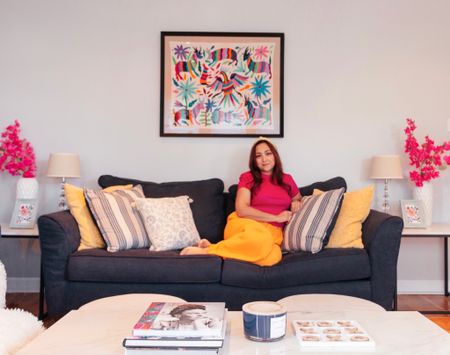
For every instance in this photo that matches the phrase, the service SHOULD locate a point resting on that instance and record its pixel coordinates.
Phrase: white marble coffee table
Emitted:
(99, 328)
(327, 302)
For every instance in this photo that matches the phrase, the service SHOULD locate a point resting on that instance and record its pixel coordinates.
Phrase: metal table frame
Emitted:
(30, 234)
(431, 233)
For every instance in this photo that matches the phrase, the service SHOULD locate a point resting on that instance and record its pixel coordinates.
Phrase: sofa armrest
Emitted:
(59, 236)
(381, 237)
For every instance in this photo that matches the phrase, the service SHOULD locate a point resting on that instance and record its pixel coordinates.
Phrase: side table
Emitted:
(29, 233)
(433, 231)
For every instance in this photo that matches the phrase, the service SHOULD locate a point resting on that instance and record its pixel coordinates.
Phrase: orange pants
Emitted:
(249, 240)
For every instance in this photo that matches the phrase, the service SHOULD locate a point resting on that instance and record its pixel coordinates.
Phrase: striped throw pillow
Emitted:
(310, 226)
(119, 223)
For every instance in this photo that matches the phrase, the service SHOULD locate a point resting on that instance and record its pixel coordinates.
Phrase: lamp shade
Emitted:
(63, 165)
(386, 167)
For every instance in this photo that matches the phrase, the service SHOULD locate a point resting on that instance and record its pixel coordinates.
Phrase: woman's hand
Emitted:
(296, 205)
(284, 216)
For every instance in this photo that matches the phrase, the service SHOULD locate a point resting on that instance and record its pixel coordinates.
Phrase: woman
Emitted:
(265, 201)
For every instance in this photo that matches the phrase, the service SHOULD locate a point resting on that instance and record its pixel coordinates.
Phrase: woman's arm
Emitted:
(296, 203)
(244, 210)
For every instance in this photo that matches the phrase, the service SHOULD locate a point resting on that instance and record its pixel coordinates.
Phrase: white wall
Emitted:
(83, 76)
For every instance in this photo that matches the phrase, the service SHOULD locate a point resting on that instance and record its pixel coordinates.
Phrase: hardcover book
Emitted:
(332, 333)
(176, 319)
(169, 351)
(170, 342)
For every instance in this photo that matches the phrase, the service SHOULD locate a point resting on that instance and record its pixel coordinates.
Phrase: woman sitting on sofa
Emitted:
(265, 201)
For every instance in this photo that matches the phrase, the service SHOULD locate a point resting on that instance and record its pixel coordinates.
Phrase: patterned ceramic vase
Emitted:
(425, 194)
(27, 188)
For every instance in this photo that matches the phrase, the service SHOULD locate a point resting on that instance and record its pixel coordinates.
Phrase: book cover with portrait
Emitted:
(181, 319)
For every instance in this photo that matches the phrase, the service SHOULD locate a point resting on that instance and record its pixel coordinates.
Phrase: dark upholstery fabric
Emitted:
(300, 268)
(331, 184)
(207, 208)
(142, 266)
(59, 236)
(234, 297)
(381, 238)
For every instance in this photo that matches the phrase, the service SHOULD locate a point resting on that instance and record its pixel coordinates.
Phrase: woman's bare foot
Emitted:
(203, 243)
(193, 251)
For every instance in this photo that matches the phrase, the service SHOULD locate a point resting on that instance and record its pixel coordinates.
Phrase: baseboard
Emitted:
(426, 287)
(22, 284)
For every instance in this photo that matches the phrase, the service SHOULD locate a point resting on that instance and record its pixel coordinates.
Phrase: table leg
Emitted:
(41, 314)
(446, 265)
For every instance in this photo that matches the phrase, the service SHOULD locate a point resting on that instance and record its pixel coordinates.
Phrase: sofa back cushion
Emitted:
(208, 200)
(331, 184)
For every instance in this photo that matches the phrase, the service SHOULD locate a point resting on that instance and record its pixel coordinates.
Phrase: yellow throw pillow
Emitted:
(355, 208)
(90, 235)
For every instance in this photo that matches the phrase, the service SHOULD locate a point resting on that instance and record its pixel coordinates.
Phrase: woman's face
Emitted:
(193, 314)
(265, 160)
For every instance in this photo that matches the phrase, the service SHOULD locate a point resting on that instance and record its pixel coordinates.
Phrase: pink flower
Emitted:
(426, 158)
(16, 155)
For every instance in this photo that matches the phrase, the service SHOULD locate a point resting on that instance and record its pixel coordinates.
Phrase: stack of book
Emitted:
(167, 327)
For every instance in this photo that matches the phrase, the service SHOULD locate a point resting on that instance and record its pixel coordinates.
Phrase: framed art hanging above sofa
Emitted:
(221, 84)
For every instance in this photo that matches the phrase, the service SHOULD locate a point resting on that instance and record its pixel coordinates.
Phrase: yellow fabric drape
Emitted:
(249, 240)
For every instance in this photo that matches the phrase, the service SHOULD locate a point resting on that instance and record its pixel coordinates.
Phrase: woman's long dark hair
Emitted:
(277, 173)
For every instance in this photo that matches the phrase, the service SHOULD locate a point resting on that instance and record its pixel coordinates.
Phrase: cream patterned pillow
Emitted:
(168, 221)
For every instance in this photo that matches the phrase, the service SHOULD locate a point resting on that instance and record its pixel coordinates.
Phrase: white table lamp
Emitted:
(386, 167)
(63, 165)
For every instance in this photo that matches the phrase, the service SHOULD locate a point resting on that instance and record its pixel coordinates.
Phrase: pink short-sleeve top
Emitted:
(270, 197)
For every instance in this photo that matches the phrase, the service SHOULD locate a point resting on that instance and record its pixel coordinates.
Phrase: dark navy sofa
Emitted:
(73, 278)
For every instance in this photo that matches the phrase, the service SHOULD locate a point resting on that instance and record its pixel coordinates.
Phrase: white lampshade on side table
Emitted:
(386, 167)
(63, 165)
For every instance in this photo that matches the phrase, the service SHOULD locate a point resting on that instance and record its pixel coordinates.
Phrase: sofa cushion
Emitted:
(355, 209)
(90, 235)
(301, 268)
(119, 223)
(168, 222)
(207, 208)
(330, 184)
(142, 266)
(313, 222)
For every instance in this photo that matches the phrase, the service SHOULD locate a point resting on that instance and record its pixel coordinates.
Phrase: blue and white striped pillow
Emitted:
(309, 227)
(119, 223)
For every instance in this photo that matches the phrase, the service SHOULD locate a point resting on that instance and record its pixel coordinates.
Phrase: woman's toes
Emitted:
(203, 243)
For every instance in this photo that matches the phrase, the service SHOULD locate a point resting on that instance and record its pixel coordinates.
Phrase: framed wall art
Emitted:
(413, 214)
(217, 84)
(24, 214)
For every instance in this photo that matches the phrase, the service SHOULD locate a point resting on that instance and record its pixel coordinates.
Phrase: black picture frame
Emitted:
(222, 84)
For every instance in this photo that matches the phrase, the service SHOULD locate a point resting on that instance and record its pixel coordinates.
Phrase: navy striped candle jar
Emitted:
(264, 320)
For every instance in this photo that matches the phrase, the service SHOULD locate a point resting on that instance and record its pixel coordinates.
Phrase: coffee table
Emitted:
(99, 328)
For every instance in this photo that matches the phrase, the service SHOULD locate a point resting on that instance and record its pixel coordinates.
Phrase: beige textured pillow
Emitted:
(168, 221)
(119, 223)
(90, 235)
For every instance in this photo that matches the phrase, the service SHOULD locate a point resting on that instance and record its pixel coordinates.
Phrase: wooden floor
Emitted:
(30, 302)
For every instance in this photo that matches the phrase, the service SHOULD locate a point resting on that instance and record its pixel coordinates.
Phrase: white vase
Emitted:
(27, 188)
(425, 194)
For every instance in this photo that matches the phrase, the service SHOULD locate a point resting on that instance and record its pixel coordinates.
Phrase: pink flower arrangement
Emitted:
(16, 155)
(426, 158)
